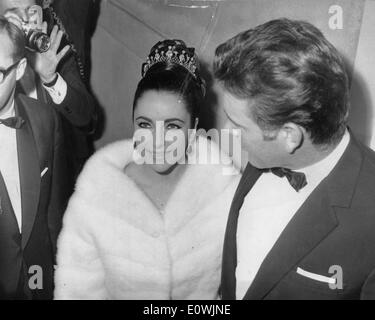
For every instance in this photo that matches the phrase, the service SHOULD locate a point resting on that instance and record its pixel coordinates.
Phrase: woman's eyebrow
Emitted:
(174, 119)
(165, 121)
(143, 118)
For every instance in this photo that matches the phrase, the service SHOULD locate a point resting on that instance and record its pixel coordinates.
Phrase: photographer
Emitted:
(33, 190)
(55, 77)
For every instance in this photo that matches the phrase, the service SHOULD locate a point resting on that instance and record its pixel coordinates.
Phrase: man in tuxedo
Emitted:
(302, 222)
(56, 78)
(33, 189)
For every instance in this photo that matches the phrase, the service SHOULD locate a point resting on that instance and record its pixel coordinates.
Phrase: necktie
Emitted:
(13, 122)
(296, 179)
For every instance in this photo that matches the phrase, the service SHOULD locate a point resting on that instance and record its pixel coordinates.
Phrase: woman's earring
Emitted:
(189, 148)
(135, 145)
(192, 138)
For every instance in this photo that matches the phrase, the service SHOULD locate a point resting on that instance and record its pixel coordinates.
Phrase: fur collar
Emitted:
(103, 185)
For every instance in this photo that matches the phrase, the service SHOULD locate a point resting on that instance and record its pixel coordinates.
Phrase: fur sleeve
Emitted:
(79, 272)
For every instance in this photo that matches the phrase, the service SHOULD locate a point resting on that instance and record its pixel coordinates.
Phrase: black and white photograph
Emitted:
(196, 151)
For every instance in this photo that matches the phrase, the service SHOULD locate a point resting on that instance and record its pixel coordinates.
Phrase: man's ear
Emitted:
(21, 68)
(293, 136)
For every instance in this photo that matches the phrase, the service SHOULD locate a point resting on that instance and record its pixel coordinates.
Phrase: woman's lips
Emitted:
(159, 155)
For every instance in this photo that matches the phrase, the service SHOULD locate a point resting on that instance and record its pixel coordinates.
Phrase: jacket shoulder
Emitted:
(368, 160)
(363, 198)
(369, 157)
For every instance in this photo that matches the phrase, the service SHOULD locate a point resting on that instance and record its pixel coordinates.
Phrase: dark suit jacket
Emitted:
(335, 226)
(44, 199)
(78, 117)
(77, 111)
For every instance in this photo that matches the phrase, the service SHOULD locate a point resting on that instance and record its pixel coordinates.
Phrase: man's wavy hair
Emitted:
(16, 36)
(290, 73)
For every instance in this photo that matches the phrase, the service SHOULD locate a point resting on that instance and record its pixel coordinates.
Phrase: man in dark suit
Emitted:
(56, 78)
(301, 225)
(33, 189)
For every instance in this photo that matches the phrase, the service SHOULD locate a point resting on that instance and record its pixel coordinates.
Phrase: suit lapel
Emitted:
(312, 223)
(5, 203)
(228, 278)
(29, 169)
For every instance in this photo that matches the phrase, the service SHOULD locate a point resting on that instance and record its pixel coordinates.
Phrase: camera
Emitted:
(36, 40)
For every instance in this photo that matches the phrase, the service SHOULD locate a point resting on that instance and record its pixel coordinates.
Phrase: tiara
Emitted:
(173, 54)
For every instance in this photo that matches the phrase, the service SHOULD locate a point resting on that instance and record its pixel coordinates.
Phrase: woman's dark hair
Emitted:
(175, 78)
(291, 73)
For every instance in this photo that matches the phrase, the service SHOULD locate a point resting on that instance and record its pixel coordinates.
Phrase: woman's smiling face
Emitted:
(161, 112)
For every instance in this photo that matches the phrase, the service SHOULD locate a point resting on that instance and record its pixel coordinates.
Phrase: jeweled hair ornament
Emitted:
(174, 52)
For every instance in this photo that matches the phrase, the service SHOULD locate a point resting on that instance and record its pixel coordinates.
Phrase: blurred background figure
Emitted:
(78, 19)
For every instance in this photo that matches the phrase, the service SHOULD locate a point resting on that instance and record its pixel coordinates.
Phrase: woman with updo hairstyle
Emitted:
(148, 216)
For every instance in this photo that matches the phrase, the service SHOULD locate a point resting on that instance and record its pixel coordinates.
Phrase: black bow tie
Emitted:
(296, 179)
(13, 122)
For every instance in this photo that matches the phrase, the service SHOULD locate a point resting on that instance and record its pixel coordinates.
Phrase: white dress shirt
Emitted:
(267, 210)
(9, 165)
(57, 92)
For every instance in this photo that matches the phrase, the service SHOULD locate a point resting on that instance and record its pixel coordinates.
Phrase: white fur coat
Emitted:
(115, 244)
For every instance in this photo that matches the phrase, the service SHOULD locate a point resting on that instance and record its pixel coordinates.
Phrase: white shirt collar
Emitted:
(320, 170)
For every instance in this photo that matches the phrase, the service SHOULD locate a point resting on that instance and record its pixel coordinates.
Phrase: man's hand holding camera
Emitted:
(44, 63)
